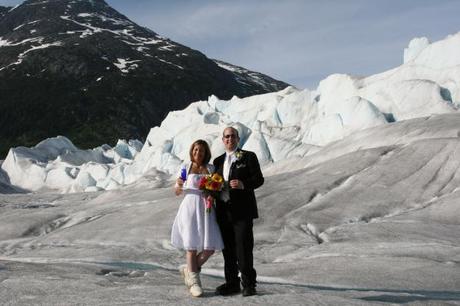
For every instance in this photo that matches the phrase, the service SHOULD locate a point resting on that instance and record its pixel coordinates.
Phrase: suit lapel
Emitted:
(232, 167)
(220, 168)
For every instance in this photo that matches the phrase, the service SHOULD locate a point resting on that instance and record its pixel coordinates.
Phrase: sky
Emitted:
(300, 42)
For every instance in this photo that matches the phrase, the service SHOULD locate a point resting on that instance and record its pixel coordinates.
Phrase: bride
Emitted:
(195, 230)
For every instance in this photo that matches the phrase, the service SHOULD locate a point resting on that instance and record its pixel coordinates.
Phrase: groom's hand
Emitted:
(236, 184)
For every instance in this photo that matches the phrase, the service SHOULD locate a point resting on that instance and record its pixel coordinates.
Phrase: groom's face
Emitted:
(230, 139)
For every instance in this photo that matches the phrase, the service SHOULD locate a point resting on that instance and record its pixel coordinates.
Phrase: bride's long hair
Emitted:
(207, 151)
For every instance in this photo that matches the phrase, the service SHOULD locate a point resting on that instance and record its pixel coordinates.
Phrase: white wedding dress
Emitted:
(194, 228)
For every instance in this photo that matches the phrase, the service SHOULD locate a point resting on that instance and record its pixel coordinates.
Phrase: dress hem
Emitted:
(198, 248)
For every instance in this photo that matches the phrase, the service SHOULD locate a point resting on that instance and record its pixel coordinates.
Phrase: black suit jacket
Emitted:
(243, 203)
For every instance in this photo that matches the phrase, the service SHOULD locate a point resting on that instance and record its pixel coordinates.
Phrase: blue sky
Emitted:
(297, 41)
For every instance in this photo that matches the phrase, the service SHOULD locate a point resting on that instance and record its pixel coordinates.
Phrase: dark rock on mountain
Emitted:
(4, 10)
(81, 69)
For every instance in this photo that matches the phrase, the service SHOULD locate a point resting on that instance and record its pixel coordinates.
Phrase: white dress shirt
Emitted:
(229, 159)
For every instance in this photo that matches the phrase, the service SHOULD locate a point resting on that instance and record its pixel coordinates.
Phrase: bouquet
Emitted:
(211, 186)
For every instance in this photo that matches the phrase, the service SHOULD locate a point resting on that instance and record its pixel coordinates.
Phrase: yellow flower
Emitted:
(238, 155)
(217, 178)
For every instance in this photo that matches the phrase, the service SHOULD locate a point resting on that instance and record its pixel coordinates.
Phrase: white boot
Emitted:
(195, 284)
(184, 272)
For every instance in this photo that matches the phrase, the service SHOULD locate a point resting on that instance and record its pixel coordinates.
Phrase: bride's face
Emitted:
(198, 154)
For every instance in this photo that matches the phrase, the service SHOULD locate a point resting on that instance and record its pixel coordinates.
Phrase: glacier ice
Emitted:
(416, 46)
(291, 123)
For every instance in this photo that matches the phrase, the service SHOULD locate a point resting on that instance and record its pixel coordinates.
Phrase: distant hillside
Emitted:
(3, 11)
(83, 70)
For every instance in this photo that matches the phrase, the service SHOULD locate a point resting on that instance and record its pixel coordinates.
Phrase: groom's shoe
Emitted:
(228, 289)
(248, 291)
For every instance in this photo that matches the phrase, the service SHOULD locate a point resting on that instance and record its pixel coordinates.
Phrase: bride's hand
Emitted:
(178, 186)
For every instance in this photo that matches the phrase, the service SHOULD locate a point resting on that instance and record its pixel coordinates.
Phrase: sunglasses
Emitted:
(230, 136)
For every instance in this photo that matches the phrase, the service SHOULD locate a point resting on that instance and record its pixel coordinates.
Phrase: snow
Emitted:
(227, 67)
(43, 46)
(278, 126)
(254, 76)
(57, 164)
(369, 219)
(416, 46)
(169, 63)
(38, 3)
(14, 7)
(126, 65)
(114, 21)
(126, 30)
(355, 210)
(5, 43)
(20, 26)
(91, 30)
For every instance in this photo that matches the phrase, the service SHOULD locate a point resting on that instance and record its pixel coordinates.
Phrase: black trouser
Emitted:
(238, 245)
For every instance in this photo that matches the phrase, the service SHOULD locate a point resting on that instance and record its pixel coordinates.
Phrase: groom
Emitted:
(235, 211)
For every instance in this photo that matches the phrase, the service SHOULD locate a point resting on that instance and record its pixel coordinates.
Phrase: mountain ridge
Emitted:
(83, 70)
(4, 10)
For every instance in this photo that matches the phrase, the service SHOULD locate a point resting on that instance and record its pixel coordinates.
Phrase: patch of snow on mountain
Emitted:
(169, 63)
(6, 43)
(114, 21)
(38, 3)
(14, 7)
(3, 42)
(33, 48)
(126, 32)
(126, 65)
(227, 66)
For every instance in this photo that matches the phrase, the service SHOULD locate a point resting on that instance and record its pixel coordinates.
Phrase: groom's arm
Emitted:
(255, 178)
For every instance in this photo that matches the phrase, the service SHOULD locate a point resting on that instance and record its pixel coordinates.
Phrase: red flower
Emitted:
(203, 182)
(215, 185)
(211, 185)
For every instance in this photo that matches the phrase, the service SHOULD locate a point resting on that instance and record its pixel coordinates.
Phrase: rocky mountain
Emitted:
(3, 11)
(81, 69)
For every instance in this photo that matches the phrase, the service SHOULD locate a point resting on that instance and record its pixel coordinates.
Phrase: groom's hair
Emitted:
(233, 129)
(207, 151)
